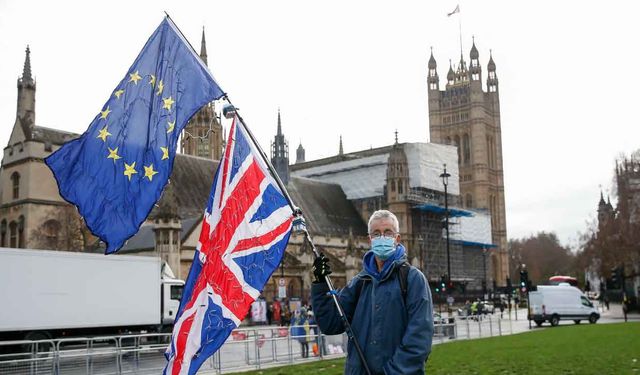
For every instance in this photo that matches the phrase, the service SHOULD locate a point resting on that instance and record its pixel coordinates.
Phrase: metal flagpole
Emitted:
(298, 221)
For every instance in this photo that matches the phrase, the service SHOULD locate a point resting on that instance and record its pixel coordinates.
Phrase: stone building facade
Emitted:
(465, 115)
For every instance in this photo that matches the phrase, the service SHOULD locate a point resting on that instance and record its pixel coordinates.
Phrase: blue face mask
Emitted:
(383, 247)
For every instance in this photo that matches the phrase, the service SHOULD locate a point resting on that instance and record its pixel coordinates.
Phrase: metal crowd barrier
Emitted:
(247, 348)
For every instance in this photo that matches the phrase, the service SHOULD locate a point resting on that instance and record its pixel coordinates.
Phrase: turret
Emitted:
(280, 153)
(474, 68)
(26, 110)
(432, 77)
(492, 79)
(300, 154)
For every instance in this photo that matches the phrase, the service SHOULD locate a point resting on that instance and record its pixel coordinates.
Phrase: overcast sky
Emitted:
(567, 72)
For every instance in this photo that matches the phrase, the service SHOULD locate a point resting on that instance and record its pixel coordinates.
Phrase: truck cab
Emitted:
(171, 293)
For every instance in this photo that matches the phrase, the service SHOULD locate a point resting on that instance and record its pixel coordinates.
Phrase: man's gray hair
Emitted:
(384, 214)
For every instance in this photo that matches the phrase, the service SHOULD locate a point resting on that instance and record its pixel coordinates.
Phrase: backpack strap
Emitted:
(403, 278)
(359, 287)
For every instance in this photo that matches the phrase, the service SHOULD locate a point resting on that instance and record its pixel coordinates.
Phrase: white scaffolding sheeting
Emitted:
(365, 177)
(474, 229)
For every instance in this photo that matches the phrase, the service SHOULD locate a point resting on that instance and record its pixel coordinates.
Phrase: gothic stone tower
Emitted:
(203, 134)
(466, 116)
(280, 154)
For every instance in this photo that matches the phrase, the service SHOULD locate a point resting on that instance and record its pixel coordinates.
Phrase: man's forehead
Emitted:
(382, 223)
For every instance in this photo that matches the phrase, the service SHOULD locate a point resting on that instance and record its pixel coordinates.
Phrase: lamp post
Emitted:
(445, 180)
(484, 275)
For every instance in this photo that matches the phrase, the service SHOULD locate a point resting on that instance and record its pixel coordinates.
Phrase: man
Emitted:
(394, 329)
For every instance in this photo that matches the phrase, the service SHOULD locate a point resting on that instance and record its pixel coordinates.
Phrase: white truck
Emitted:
(48, 294)
(553, 303)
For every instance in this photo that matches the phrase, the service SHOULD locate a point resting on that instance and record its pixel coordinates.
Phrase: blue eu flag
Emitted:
(115, 172)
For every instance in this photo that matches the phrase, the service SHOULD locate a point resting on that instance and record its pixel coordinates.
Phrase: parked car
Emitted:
(486, 307)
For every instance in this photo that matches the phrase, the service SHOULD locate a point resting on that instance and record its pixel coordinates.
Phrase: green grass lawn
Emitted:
(580, 349)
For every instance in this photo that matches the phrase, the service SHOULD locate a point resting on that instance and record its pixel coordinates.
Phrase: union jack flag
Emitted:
(245, 231)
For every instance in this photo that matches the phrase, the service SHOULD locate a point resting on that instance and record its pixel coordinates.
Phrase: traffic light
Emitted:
(524, 280)
(443, 283)
(615, 277)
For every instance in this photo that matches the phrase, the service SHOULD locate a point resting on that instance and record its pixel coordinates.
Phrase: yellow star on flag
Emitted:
(104, 133)
(113, 154)
(134, 77)
(149, 172)
(105, 113)
(160, 88)
(129, 170)
(168, 102)
(118, 93)
(165, 152)
(152, 80)
(171, 126)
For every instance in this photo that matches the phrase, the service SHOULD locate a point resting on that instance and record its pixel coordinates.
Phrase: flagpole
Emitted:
(297, 212)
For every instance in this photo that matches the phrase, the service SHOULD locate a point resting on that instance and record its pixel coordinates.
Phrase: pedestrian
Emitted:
(606, 302)
(269, 314)
(277, 311)
(474, 310)
(388, 304)
(501, 309)
(625, 305)
(300, 331)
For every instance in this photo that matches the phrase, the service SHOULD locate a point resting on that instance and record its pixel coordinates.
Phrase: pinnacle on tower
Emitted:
(491, 66)
(300, 157)
(450, 75)
(396, 136)
(279, 124)
(26, 71)
(474, 51)
(203, 49)
(432, 61)
(341, 150)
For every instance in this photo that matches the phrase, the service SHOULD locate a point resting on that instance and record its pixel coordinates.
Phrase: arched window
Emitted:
(456, 140)
(400, 186)
(466, 149)
(13, 234)
(393, 186)
(51, 229)
(15, 181)
(3, 233)
(469, 201)
(21, 232)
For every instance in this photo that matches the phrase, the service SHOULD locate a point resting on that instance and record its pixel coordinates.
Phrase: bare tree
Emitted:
(62, 229)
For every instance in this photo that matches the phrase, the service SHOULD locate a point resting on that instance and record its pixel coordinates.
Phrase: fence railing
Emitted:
(246, 348)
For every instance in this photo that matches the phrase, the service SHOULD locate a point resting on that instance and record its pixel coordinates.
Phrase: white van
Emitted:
(552, 303)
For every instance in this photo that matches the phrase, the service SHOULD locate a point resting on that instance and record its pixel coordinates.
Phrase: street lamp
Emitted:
(484, 268)
(445, 180)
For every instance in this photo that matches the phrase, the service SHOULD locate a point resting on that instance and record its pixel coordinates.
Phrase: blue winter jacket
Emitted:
(395, 336)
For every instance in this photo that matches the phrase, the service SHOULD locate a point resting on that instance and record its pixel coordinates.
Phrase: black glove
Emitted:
(321, 268)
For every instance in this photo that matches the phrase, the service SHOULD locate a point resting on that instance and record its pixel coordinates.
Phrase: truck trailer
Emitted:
(50, 294)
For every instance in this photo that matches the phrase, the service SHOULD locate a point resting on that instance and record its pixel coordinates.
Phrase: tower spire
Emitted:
(340, 150)
(203, 48)
(26, 70)
(279, 123)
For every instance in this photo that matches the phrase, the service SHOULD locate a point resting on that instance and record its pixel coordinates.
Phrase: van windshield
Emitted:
(586, 302)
